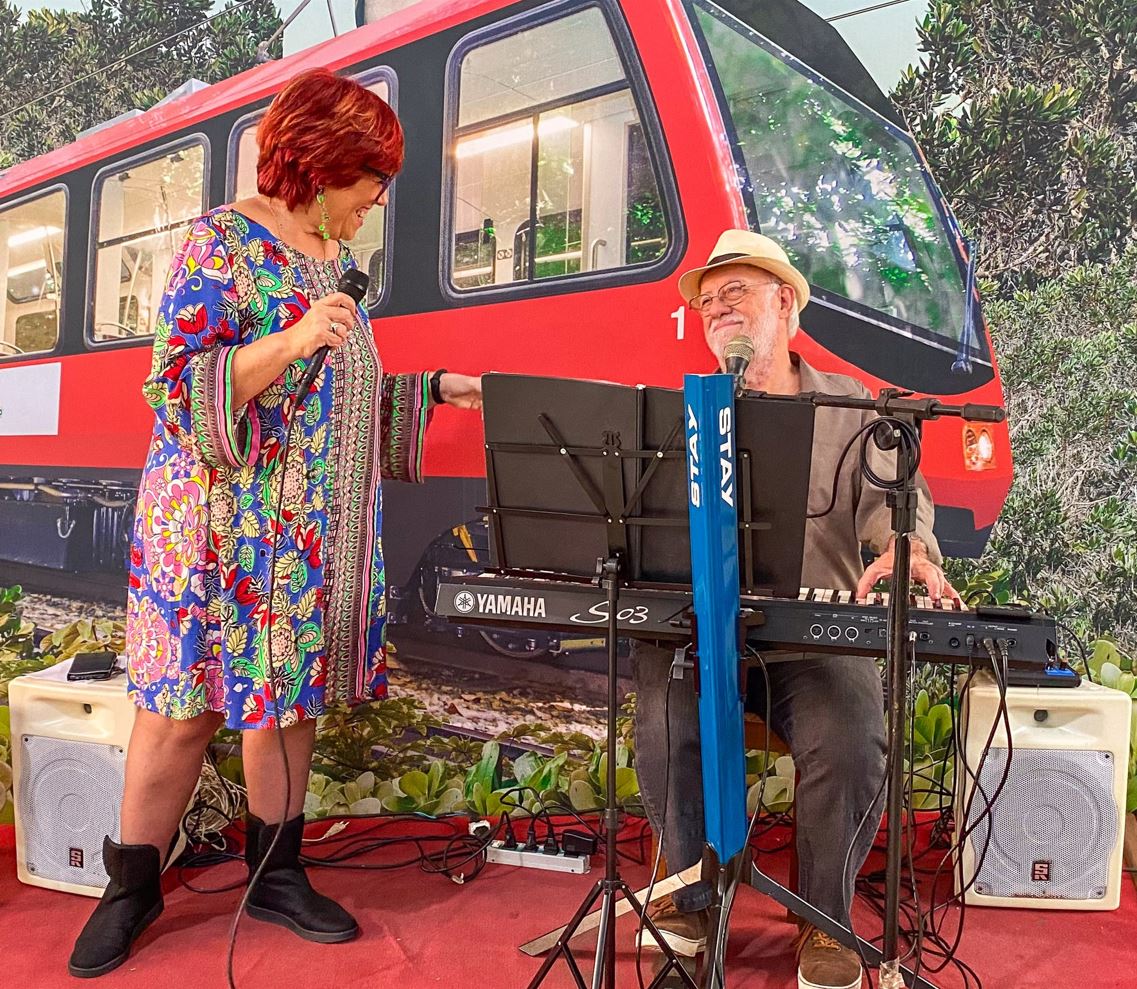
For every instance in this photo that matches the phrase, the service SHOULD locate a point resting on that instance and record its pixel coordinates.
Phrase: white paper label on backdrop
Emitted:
(29, 400)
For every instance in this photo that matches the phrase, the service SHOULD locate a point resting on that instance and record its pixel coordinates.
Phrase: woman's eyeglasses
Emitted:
(382, 178)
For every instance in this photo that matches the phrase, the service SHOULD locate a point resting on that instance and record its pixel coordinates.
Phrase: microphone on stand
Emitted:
(352, 283)
(737, 356)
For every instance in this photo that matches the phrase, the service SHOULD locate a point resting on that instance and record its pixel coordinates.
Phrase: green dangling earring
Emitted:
(324, 218)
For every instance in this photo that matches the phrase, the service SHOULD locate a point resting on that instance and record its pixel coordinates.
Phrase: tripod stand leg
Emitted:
(562, 945)
(839, 932)
(600, 974)
(669, 959)
(726, 882)
(545, 942)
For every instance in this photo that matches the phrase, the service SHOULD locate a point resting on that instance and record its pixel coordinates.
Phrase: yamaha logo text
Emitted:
(513, 605)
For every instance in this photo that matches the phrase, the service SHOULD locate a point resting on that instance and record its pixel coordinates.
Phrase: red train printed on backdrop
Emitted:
(565, 160)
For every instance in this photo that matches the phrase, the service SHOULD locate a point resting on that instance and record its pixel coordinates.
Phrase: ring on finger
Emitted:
(336, 327)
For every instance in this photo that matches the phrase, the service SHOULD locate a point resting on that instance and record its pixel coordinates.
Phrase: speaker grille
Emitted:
(1055, 824)
(67, 800)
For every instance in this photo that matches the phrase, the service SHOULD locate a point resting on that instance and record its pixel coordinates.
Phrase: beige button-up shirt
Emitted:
(860, 516)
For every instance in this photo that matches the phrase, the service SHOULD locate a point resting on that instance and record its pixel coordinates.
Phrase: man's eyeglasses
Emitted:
(729, 295)
(382, 178)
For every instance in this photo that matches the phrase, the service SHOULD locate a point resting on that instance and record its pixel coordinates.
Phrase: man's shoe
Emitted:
(823, 963)
(685, 933)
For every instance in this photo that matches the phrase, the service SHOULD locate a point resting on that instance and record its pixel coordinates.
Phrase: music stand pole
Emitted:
(608, 888)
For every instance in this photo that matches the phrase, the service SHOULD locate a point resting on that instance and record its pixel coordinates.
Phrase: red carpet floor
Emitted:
(421, 930)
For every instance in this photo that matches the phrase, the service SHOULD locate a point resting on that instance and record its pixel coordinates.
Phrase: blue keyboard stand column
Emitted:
(712, 504)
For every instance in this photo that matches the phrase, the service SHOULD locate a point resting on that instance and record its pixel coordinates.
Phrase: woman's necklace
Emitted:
(278, 216)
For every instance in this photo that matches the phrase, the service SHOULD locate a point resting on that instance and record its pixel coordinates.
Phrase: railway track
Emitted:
(90, 585)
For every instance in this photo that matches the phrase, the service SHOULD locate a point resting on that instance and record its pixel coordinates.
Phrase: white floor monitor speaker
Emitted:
(69, 754)
(1054, 840)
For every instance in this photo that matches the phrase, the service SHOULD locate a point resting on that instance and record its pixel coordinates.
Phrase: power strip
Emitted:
(537, 860)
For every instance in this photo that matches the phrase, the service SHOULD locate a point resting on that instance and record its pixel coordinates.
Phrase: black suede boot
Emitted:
(130, 903)
(282, 894)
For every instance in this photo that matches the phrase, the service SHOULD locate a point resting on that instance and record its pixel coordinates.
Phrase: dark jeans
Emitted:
(830, 712)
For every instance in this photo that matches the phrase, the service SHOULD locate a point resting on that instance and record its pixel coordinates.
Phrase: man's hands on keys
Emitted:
(922, 570)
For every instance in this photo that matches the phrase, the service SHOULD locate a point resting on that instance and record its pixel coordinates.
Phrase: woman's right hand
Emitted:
(326, 324)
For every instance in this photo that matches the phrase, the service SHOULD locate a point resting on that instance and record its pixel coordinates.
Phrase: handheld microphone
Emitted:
(353, 283)
(737, 356)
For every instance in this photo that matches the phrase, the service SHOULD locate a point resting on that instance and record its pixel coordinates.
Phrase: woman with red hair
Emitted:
(256, 595)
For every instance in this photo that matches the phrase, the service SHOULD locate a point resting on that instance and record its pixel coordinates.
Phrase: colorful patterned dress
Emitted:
(208, 615)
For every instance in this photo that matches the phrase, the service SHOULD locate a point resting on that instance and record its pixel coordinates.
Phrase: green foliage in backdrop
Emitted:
(1027, 113)
(48, 50)
(1067, 538)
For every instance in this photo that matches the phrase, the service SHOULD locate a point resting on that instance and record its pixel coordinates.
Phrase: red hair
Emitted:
(324, 130)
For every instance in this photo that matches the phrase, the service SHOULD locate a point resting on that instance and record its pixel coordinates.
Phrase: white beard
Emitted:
(764, 336)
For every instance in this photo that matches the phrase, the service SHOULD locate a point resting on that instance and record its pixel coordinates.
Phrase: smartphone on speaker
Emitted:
(94, 666)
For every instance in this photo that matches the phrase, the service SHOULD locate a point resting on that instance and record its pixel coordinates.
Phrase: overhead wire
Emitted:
(125, 59)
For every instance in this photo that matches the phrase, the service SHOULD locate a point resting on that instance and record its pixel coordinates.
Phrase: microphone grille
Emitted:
(739, 347)
(353, 282)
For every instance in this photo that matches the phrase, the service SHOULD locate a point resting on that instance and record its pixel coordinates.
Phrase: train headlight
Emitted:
(978, 447)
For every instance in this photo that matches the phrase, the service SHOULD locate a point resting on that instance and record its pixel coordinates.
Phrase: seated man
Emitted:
(828, 708)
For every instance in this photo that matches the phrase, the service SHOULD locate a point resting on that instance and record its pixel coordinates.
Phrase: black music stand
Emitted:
(588, 480)
(579, 470)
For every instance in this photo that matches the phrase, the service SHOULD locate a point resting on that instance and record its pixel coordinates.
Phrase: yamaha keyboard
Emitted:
(818, 621)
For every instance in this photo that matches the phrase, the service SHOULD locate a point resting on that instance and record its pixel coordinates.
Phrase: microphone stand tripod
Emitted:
(611, 886)
(902, 500)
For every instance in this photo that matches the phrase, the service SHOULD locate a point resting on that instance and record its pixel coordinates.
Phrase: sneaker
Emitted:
(685, 933)
(823, 963)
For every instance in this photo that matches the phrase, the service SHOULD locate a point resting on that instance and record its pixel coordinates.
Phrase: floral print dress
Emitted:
(216, 620)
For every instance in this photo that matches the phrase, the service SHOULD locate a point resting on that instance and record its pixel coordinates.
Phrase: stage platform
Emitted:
(424, 930)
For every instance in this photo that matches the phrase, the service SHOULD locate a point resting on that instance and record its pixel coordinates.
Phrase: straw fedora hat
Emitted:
(747, 247)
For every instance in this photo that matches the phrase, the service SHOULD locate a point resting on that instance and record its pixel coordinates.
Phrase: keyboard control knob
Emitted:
(833, 632)
(852, 632)
(816, 631)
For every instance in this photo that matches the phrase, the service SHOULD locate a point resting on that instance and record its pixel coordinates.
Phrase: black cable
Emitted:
(277, 727)
(663, 825)
(916, 939)
(919, 927)
(1085, 656)
(471, 848)
(997, 655)
(837, 474)
(845, 901)
(907, 435)
(931, 944)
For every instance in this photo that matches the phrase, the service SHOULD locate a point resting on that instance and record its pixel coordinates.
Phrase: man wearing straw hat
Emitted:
(829, 709)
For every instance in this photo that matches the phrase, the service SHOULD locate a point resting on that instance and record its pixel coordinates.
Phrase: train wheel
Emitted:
(514, 644)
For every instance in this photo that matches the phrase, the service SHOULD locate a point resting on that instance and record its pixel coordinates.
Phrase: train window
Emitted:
(31, 273)
(144, 207)
(545, 120)
(839, 187)
(368, 244)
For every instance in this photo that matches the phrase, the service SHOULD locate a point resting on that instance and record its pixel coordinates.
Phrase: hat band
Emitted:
(719, 258)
